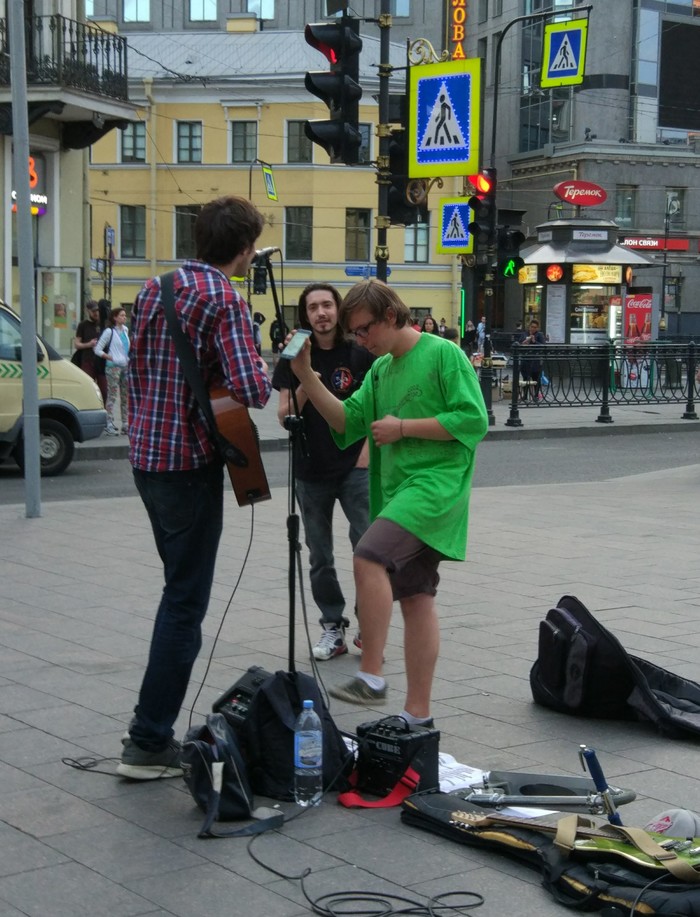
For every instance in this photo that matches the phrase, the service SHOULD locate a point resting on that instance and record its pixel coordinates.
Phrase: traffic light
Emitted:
(401, 209)
(509, 260)
(483, 206)
(340, 42)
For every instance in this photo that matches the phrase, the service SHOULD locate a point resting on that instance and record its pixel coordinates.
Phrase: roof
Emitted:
(582, 253)
(239, 56)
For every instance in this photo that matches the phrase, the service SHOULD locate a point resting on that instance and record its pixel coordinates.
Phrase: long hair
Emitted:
(303, 315)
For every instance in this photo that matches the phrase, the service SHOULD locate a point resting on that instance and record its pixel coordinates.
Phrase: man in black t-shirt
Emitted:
(326, 473)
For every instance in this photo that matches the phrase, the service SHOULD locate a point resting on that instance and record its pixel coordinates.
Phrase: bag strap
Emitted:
(406, 786)
(190, 369)
(567, 829)
(266, 823)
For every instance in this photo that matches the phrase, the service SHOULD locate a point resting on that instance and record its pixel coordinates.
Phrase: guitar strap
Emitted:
(185, 354)
(567, 829)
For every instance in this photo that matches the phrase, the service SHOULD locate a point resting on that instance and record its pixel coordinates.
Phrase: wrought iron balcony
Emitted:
(68, 54)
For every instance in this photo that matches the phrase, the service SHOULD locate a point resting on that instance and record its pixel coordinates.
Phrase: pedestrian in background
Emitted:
(324, 473)
(86, 336)
(113, 348)
(429, 325)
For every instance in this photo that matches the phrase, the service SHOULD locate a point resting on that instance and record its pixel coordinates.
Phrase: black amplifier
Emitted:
(235, 703)
(387, 747)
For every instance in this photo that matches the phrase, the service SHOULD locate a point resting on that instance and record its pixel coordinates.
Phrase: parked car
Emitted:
(70, 405)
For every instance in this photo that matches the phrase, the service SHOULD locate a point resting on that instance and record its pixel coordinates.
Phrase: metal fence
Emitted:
(570, 375)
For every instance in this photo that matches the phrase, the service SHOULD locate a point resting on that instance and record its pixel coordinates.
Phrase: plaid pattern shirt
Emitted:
(167, 431)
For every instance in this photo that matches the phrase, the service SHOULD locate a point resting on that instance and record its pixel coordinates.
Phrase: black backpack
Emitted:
(267, 735)
(582, 669)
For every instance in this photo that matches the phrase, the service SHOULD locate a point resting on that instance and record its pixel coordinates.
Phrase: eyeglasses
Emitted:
(363, 330)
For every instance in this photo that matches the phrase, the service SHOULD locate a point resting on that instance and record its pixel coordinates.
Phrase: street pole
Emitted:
(25, 248)
(381, 251)
(486, 371)
(662, 315)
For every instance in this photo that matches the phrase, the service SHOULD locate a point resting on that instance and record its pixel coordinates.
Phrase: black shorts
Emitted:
(412, 565)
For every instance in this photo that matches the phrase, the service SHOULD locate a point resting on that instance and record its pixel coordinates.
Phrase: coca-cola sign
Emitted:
(580, 193)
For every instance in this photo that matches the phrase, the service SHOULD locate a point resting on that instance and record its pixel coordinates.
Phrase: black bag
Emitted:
(77, 358)
(215, 773)
(267, 735)
(583, 669)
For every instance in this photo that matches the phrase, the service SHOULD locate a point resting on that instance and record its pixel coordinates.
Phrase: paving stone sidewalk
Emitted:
(79, 587)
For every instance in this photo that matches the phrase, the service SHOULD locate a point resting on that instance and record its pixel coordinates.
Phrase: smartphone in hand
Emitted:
(296, 342)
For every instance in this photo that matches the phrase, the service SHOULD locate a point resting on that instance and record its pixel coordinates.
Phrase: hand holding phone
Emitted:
(293, 348)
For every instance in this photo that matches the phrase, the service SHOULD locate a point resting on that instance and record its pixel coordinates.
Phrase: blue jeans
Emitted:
(316, 502)
(186, 513)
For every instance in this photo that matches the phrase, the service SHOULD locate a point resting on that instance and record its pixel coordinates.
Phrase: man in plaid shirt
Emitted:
(175, 465)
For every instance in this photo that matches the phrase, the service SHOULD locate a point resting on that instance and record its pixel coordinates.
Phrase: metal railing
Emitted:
(67, 53)
(571, 375)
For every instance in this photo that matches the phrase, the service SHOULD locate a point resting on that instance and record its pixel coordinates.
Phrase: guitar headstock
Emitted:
(461, 819)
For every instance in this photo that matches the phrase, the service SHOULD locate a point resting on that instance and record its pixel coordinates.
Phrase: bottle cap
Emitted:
(308, 705)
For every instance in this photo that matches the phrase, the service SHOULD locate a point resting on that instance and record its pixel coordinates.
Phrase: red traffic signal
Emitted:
(483, 183)
(339, 88)
(335, 40)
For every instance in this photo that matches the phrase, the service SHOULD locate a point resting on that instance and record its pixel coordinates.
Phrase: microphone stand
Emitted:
(294, 424)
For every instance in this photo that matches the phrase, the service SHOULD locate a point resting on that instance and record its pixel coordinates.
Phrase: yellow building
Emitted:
(76, 93)
(214, 106)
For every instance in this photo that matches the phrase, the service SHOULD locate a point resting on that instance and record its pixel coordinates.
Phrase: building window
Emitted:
(400, 8)
(675, 206)
(244, 141)
(263, 9)
(202, 10)
(184, 231)
(89, 8)
(357, 234)
(134, 142)
(298, 144)
(483, 10)
(497, 7)
(137, 10)
(189, 141)
(416, 242)
(365, 154)
(298, 222)
(626, 206)
(132, 222)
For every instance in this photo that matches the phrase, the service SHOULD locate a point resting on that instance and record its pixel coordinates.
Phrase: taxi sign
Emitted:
(455, 217)
(564, 53)
(445, 103)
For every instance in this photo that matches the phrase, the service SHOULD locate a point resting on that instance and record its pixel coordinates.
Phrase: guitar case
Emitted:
(587, 882)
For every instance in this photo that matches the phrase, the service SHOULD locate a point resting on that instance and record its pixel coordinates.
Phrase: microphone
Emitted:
(266, 252)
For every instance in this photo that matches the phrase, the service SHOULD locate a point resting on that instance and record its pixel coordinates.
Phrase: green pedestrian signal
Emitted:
(508, 248)
(510, 267)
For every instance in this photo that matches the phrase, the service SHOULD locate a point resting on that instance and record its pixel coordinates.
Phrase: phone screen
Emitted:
(293, 348)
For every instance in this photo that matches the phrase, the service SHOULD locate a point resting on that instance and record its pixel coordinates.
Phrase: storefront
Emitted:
(575, 280)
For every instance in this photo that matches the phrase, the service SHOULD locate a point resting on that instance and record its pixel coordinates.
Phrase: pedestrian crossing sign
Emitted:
(445, 105)
(564, 53)
(455, 217)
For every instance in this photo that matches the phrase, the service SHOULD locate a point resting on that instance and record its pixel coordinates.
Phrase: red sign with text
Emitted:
(637, 318)
(580, 193)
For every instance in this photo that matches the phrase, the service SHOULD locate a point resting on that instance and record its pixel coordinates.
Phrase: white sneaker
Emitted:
(332, 643)
(111, 430)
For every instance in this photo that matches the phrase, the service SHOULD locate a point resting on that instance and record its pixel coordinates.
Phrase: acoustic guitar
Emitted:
(242, 452)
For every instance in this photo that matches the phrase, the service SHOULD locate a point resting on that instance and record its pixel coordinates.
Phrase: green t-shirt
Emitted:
(423, 485)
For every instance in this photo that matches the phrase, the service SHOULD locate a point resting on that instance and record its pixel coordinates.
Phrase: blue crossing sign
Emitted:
(564, 53)
(363, 270)
(445, 105)
(455, 217)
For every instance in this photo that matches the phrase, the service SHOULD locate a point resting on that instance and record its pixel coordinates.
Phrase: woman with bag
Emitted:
(113, 347)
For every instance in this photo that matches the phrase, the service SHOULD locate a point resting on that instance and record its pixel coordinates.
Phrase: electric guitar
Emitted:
(243, 460)
(576, 836)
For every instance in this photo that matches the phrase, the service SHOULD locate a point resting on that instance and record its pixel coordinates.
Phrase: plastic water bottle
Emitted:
(308, 757)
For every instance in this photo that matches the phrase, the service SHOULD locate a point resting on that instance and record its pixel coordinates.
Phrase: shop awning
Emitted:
(582, 253)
